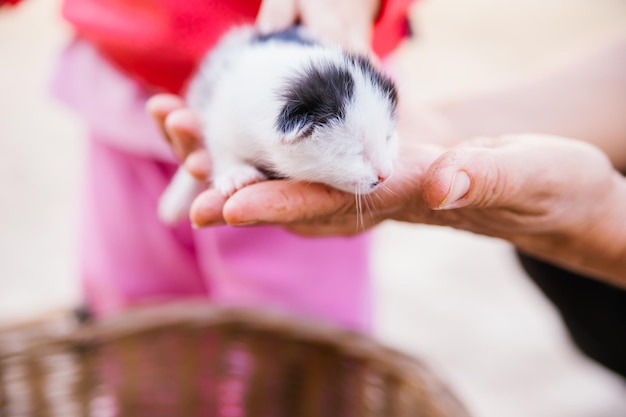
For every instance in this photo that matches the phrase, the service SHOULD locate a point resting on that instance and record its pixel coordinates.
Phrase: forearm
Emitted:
(585, 100)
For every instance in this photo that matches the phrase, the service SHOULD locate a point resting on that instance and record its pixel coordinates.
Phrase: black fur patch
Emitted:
(382, 82)
(293, 34)
(315, 97)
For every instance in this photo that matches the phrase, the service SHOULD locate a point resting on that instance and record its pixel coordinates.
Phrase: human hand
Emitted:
(504, 186)
(557, 199)
(317, 209)
(348, 23)
(552, 197)
(181, 128)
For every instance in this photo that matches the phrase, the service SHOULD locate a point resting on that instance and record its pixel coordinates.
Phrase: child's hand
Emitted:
(348, 23)
(181, 129)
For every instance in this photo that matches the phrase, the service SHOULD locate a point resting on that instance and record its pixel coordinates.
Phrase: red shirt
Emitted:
(159, 42)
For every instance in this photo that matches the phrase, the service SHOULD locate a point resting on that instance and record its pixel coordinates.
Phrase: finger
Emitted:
(160, 106)
(467, 176)
(206, 210)
(199, 164)
(289, 202)
(315, 230)
(504, 172)
(341, 22)
(275, 15)
(283, 202)
(183, 128)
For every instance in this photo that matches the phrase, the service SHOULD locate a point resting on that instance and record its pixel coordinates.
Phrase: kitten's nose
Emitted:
(381, 179)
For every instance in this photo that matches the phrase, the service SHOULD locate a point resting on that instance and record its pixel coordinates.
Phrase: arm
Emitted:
(585, 100)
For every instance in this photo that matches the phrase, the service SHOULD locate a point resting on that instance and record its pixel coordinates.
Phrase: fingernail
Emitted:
(459, 186)
(244, 223)
(207, 224)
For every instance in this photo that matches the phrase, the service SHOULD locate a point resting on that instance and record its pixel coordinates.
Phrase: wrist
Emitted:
(595, 244)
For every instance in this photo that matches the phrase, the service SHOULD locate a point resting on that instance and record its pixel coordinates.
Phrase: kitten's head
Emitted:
(337, 124)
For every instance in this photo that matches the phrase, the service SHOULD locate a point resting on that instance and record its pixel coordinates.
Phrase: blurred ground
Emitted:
(455, 299)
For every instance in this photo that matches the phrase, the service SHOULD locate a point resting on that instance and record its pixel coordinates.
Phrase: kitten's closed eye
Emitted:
(314, 97)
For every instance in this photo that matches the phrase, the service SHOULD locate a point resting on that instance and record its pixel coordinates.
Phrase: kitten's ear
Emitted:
(294, 123)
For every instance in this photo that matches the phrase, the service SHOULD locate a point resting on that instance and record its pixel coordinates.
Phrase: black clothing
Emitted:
(594, 312)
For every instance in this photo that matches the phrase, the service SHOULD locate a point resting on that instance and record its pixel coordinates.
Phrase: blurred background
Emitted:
(456, 300)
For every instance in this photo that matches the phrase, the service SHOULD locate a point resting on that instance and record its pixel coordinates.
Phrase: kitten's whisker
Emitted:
(368, 205)
(378, 196)
(360, 221)
(389, 191)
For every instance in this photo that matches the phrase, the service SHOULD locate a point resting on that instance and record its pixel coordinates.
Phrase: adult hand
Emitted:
(317, 209)
(345, 22)
(505, 186)
(556, 198)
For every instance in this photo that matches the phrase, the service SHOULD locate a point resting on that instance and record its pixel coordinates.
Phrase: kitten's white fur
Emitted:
(237, 96)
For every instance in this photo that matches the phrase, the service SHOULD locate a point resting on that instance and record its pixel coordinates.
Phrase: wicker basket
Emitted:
(186, 360)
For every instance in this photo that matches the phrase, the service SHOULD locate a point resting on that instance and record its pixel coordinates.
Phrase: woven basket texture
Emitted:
(192, 359)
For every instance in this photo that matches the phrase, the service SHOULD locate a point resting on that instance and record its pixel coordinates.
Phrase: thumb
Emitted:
(476, 176)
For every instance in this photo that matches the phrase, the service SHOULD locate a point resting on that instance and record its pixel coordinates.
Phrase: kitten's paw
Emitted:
(237, 178)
